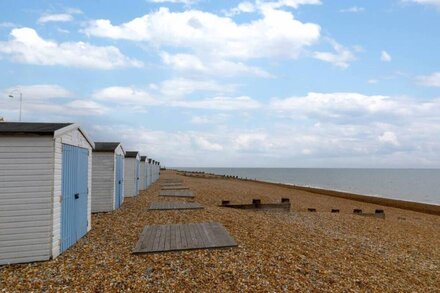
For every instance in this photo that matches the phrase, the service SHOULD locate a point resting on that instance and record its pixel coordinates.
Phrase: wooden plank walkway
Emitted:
(175, 237)
(171, 180)
(175, 205)
(176, 193)
(172, 184)
(174, 187)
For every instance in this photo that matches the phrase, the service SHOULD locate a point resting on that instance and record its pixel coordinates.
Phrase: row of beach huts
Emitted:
(52, 177)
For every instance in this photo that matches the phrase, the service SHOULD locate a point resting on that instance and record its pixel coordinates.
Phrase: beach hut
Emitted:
(131, 174)
(142, 180)
(150, 171)
(153, 176)
(107, 176)
(45, 184)
(147, 173)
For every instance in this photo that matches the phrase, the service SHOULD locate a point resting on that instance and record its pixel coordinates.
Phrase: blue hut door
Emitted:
(74, 190)
(137, 171)
(118, 181)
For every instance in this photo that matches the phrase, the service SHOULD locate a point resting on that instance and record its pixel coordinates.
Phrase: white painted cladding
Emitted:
(147, 174)
(103, 180)
(142, 181)
(25, 198)
(130, 176)
(30, 194)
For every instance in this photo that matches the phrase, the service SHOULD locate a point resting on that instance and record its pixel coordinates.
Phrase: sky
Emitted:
(200, 83)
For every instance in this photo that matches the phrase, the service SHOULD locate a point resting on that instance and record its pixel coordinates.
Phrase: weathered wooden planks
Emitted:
(176, 193)
(175, 205)
(175, 237)
(171, 183)
(174, 187)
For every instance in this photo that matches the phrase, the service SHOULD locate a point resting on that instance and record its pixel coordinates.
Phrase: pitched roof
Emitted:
(106, 146)
(143, 158)
(31, 127)
(132, 154)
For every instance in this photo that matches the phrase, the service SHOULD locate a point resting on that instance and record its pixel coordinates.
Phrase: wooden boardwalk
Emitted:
(175, 205)
(174, 187)
(174, 237)
(172, 180)
(176, 193)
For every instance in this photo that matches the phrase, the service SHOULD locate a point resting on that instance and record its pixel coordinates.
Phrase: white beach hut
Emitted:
(147, 173)
(150, 172)
(143, 181)
(131, 174)
(107, 176)
(45, 184)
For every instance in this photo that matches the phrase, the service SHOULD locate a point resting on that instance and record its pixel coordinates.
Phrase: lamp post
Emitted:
(21, 99)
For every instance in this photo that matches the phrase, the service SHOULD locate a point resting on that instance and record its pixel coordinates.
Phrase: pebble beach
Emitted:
(296, 251)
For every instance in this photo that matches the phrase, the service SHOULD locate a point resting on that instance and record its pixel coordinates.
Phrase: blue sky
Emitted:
(279, 83)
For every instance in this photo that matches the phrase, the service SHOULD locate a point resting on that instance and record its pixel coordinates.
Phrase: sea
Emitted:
(418, 185)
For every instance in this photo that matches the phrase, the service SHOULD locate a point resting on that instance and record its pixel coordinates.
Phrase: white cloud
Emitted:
(285, 3)
(44, 100)
(261, 5)
(186, 2)
(212, 66)
(62, 17)
(26, 46)
(243, 7)
(125, 96)
(7, 24)
(180, 87)
(432, 80)
(220, 103)
(354, 108)
(211, 119)
(353, 9)
(341, 57)
(425, 2)
(276, 34)
(385, 56)
(205, 144)
(164, 95)
(372, 81)
(40, 91)
(389, 137)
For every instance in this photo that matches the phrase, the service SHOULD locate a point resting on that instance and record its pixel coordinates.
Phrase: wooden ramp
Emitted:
(175, 237)
(176, 193)
(175, 205)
